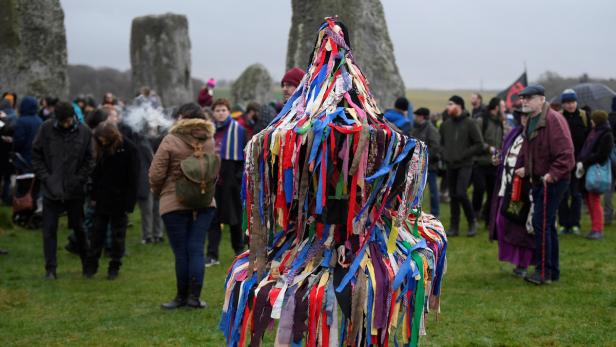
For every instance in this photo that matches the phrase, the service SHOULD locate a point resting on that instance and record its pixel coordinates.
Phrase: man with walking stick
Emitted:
(547, 160)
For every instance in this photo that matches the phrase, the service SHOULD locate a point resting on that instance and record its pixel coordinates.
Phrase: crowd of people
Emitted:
(529, 167)
(96, 162)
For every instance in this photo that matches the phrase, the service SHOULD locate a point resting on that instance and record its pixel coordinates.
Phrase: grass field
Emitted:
(482, 303)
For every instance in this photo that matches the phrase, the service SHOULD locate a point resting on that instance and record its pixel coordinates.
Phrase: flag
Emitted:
(510, 95)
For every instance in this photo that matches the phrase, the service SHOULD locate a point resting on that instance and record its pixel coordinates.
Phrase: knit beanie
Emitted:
(568, 95)
(599, 117)
(402, 103)
(456, 99)
(293, 76)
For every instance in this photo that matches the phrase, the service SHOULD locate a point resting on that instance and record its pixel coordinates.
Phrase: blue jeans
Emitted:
(187, 239)
(546, 252)
(434, 197)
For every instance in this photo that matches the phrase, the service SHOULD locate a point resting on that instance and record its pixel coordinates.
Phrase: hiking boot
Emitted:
(112, 274)
(452, 232)
(194, 292)
(575, 230)
(179, 300)
(594, 235)
(147, 241)
(472, 229)
(210, 261)
(51, 275)
(159, 239)
(535, 278)
(564, 231)
(519, 272)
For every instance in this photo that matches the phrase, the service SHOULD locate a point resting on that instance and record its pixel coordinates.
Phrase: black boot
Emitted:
(194, 294)
(472, 229)
(180, 298)
(453, 231)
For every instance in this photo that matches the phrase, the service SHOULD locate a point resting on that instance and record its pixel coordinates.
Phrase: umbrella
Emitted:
(596, 95)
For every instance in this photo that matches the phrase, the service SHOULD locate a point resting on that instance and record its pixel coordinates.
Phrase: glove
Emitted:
(579, 170)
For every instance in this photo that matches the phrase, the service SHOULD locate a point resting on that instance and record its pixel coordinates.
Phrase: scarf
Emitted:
(230, 139)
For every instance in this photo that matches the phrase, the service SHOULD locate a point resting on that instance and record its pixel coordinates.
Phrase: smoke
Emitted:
(144, 118)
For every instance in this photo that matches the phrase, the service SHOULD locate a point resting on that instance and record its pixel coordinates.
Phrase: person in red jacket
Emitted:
(547, 160)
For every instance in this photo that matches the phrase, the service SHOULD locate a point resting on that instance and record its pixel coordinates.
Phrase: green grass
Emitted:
(482, 303)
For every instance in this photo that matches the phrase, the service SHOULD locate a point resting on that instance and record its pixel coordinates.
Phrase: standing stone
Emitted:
(254, 84)
(33, 56)
(160, 57)
(370, 41)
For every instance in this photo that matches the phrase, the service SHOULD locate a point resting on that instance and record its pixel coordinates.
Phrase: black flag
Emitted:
(510, 95)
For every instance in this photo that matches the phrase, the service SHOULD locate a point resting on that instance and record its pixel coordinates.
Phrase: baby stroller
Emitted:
(27, 212)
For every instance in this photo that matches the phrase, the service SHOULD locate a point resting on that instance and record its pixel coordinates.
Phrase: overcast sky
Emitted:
(438, 44)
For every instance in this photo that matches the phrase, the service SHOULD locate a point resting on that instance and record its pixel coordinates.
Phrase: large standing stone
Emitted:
(370, 41)
(33, 48)
(254, 84)
(160, 57)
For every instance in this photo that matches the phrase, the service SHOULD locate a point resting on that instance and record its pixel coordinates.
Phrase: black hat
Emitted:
(533, 89)
(402, 103)
(456, 99)
(422, 111)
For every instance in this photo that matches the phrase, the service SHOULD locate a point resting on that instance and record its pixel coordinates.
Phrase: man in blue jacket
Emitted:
(399, 115)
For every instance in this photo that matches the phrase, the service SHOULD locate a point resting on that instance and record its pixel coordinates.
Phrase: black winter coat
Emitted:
(144, 155)
(62, 160)
(114, 180)
(600, 151)
(579, 125)
(460, 140)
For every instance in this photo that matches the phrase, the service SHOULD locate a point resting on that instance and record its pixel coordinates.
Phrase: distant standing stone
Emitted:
(33, 59)
(370, 41)
(160, 57)
(254, 84)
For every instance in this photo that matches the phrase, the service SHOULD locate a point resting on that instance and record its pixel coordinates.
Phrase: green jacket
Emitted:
(492, 133)
(460, 141)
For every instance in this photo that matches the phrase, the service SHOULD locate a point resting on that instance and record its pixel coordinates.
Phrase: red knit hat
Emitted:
(293, 76)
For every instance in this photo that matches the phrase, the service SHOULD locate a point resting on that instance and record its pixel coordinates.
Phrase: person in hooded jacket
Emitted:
(26, 127)
(460, 141)
(62, 162)
(596, 150)
(113, 196)
(186, 228)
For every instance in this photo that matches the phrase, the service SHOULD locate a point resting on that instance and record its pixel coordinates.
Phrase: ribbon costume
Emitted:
(340, 253)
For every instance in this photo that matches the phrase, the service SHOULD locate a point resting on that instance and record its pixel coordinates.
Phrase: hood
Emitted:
(28, 106)
(199, 129)
(464, 114)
